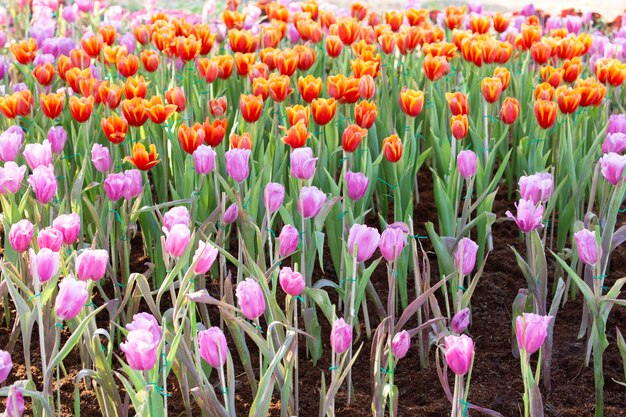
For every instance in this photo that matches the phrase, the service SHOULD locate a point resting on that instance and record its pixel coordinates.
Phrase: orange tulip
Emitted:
(504, 75)
(267, 56)
(80, 59)
(51, 104)
(510, 110)
(454, 20)
(225, 64)
(142, 34)
(91, 44)
(190, 137)
(276, 11)
(361, 68)
(150, 60)
(297, 113)
(541, 52)
(352, 137)
(286, 61)
(545, 112)
(64, 64)
(500, 22)
(348, 30)
(491, 88)
(392, 148)
(81, 108)
(323, 110)
(233, 19)
(241, 41)
(415, 17)
(260, 88)
(243, 63)
(394, 19)
(479, 24)
(218, 106)
(457, 103)
(251, 107)
(530, 35)
(358, 10)
(297, 135)
(504, 52)
(214, 132)
(8, 106)
(25, 102)
(279, 88)
(108, 34)
(544, 91)
(128, 65)
(158, 112)
(309, 87)
(114, 128)
(411, 102)
(306, 57)
(202, 32)
(551, 75)
(365, 113)
(208, 69)
(350, 93)
(333, 46)
(336, 86)
(387, 42)
(435, 67)
(459, 126)
(113, 54)
(188, 47)
(571, 69)
(135, 87)
(176, 96)
(591, 92)
(367, 87)
(241, 141)
(134, 111)
(568, 99)
(110, 95)
(24, 51)
(44, 73)
(141, 159)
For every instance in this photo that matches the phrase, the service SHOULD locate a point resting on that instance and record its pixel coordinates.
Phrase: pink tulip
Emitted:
(213, 347)
(238, 164)
(91, 264)
(466, 163)
(206, 253)
(176, 215)
(38, 154)
(231, 214)
(291, 282)
(44, 183)
(310, 201)
(617, 123)
(459, 353)
(45, 264)
(134, 184)
(465, 256)
(529, 216)
(341, 336)
(612, 165)
(177, 240)
(115, 186)
(537, 188)
(11, 177)
(71, 298)
(357, 184)
(100, 158)
(392, 241)
(614, 142)
(588, 249)
(15, 402)
(365, 239)
(531, 331)
(302, 163)
(10, 143)
(204, 159)
(50, 238)
(6, 365)
(147, 322)
(273, 196)
(250, 298)
(288, 240)
(85, 6)
(20, 235)
(140, 349)
(69, 225)
(57, 136)
(400, 344)
(460, 321)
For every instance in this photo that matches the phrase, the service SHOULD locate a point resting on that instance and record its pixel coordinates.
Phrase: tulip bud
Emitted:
(341, 336)
(71, 298)
(588, 249)
(357, 184)
(91, 264)
(177, 239)
(302, 163)
(57, 136)
(69, 226)
(273, 196)
(45, 264)
(11, 142)
(291, 282)
(6, 364)
(614, 142)
(465, 257)
(531, 331)
(310, 201)
(459, 353)
(206, 253)
(15, 402)
(529, 216)
(231, 214)
(364, 240)
(134, 184)
(213, 347)
(612, 165)
(400, 344)
(466, 163)
(140, 349)
(367, 87)
(250, 298)
(100, 158)
(537, 188)
(44, 183)
(617, 123)
(460, 321)
(237, 164)
(392, 241)
(50, 238)
(204, 159)
(145, 321)
(288, 240)
(21, 234)
(38, 154)
(176, 215)
(11, 177)
(115, 186)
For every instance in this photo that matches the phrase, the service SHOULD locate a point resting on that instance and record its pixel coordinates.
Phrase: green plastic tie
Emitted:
(59, 325)
(33, 296)
(600, 277)
(387, 371)
(333, 368)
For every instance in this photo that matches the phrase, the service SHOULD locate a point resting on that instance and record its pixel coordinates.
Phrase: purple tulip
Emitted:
(400, 344)
(91, 264)
(617, 123)
(71, 298)
(141, 350)
(614, 142)
(392, 241)
(459, 353)
(250, 298)
(357, 184)
(588, 249)
(85, 6)
(302, 163)
(21, 234)
(290, 281)
(273, 196)
(231, 214)
(177, 239)
(365, 239)
(128, 40)
(50, 238)
(115, 186)
(11, 177)
(134, 184)
(529, 216)
(15, 402)
(3, 41)
(310, 201)
(288, 240)
(213, 347)
(101, 158)
(69, 225)
(531, 331)
(341, 336)
(465, 257)
(57, 137)
(20, 87)
(44, 183)
(466, 163)
(528, 10)
(4, 66)
(537, 188)
(204, 159)
(206, 253)
(612, 165)
(45, 264)
(6, 365)
(11, 142)
(176, 215)
(573, 23)
(69, 13)
(44, 59)
(147, 322)
(474, 6)
(38, 154)
(460, 321)
(238, 164)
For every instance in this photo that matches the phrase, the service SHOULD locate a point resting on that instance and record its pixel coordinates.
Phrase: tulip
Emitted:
(612, 165)
(392, 241)
(537, 188)
(302, 163)
(45, 264)
(365, 239)
(114, 128)
(392, 148)
(465, 257)
(460, 321)
(250, 298)
(147, 322)
(310, 201)
(457, 103)
(204, 159)
(545, 112)
(309, 87)
(273, 196)
(206, 255)
(15, 402)
(69, 226)
(529, 216)
(352, 137)
(435, 67)
(617, 124)
(91, 264)
(510, 110)
(177, 239)
(6, 364)
(297, 134)
(134, 184)
(176, 96)
(323, 110)
(291, 282)
(115, 186)
(340, 336)
(71, 298)
(11, 177)
(365, 113)
(141, 158)
(10, 143)
(251, 107)
(400, 344)
(50, 238)
(212, 345)
(356, 183)
(176, 215)
(466, 163)
(57, 137)
(100, 158)
(38, 154)
(587, 245)
(459, 353)
(614, 142)
(21, 234)
(459, 126)
(237, 164)
(141, 350)
(411, 102)
(288, 240)
(531, 331)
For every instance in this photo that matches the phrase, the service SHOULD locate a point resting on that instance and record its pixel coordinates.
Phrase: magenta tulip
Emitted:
(531, 331)
(250, 298)
(273, 196)
(466, 163)
(11, 142)
(147, 322)
(588, 249)
(392, 241)
(614, 142)
(365, 239)
(465, 256)
(69, 226)
(302, 163)
(100, 158)
(460, 321)
(356, 183)
(459, 353)
(57, 136)
(288, 240)
(400, 344)
(15, 402)
(206, 255)
(11, 177)
(617, 123)
(115, 186)
(341, 336)
(134, 184)
(290, 281)
(231, 214)
(71, 298)
(176, 215)
(91, 264)
(213, 347)
(204, 159)
(44, 183)
(38, 154)
(50, 238)
(6, 365)
(177, 239)
(537, 188)
(310, 201)
(238, 164)
(141, 350)
(529, 216)
(20, 235)
(612, 165)
(45, 264)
